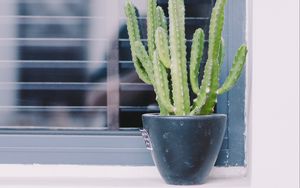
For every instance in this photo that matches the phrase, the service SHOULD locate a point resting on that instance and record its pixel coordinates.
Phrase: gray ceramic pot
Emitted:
(184, 148)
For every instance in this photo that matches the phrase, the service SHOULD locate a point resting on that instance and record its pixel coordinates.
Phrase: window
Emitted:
(69, 93)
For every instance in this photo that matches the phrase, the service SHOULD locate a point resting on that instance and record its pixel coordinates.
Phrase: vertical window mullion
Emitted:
(113, 80)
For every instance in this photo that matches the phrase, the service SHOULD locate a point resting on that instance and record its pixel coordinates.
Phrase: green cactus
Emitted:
(211, 101)
(161, 83)
(167, 55)
(235, 71)
(178, 58)
(162, 46)
(152, 24)
(134, 35)
(196, 57)
(161, 18)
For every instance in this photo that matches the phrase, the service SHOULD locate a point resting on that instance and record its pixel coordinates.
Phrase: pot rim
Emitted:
(157, 115)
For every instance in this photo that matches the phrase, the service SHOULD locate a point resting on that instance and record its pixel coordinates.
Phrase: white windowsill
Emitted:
(106, 176)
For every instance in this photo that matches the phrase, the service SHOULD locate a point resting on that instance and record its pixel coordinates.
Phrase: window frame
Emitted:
(101, 147)
(126, 146)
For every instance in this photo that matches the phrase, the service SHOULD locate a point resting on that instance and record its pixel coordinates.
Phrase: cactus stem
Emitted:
(178, 57)
(134, 35)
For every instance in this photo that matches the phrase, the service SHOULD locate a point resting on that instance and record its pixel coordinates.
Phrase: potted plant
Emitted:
(185, 138)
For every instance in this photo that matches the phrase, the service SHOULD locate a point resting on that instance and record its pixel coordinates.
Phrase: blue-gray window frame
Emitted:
(126, 147)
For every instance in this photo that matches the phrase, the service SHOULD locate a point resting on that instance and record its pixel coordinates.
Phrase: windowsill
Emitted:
(106, 176)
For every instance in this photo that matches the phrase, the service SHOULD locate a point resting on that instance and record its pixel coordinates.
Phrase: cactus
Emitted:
(196, 57)
(167, 55)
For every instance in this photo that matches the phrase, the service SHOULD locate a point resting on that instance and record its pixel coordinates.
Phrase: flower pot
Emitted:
(184, 148)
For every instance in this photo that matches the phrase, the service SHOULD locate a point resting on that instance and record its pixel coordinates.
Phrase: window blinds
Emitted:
(67, 63)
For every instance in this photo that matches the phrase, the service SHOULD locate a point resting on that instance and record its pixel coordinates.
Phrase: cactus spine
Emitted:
(167, 54)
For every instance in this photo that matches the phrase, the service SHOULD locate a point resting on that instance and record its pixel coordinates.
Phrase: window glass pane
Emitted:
(53, 63)
(67, 63)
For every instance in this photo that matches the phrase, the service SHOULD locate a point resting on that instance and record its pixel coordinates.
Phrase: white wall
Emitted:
(274, 119)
